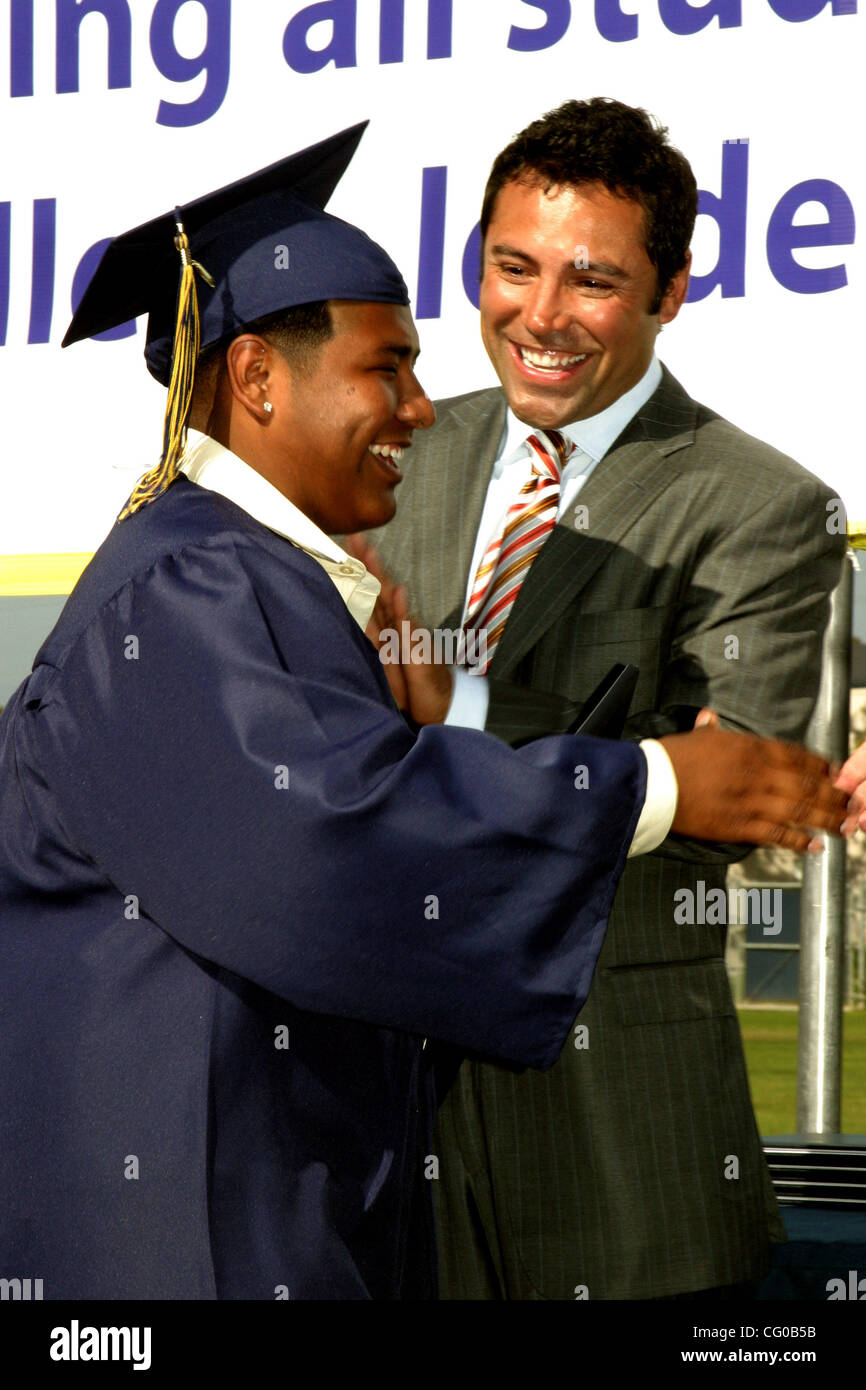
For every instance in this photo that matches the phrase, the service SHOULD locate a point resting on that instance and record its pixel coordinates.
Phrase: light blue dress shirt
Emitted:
(513, 467)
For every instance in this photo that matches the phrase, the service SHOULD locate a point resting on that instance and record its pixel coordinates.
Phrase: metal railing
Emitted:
(822, 908)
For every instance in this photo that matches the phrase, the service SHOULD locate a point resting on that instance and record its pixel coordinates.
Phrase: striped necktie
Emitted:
(526, 526)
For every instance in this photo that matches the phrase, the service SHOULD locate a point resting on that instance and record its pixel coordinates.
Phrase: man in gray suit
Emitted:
(633, 1169)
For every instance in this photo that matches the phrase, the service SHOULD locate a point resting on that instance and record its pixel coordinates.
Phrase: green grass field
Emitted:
(770, 1039)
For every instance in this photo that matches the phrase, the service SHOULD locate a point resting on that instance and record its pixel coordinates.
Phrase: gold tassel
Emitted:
(180, 387)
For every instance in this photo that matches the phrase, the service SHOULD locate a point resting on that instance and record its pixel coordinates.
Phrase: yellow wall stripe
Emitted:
(23, 576)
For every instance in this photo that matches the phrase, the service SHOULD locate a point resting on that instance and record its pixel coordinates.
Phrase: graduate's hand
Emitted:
(707, 719)
(852, 779)
(422, 687)
(382, 618)
(747, 790)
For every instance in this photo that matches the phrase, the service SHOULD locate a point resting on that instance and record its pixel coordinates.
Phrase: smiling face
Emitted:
(566, 292)
(341, 421)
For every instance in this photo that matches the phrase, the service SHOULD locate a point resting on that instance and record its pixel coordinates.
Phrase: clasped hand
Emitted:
(733, 787)
(422, 689)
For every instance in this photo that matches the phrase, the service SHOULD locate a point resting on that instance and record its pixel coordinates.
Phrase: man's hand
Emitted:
(852, 779)
(422, 688)
(743, 789)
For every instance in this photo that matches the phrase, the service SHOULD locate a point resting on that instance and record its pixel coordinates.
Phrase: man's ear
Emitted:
(249, 367)
(674, 296)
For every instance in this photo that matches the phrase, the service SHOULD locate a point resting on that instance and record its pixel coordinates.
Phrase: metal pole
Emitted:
(822, 911)
(735, 954)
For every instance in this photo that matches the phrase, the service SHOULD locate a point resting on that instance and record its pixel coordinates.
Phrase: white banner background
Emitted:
(82, 424)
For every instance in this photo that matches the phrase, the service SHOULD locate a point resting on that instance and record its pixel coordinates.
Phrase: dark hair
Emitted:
(297, 333)
(625, 149)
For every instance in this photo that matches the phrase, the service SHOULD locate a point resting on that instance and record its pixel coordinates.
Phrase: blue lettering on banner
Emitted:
(70, 14)
(21, 48)
(214, 60)
(683, 17)
(440, 26)
(678, 16)
(728, 210)
(84, 272)
(42, 274)
(339, 22)
(612, 24)
(431, 251)
(471, 266)
(340, 50)
(5, 267)
(392, 23)
(783, 236)
(558, 18)
(796, 11)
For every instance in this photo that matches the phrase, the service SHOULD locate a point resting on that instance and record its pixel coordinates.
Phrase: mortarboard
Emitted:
(258, 246)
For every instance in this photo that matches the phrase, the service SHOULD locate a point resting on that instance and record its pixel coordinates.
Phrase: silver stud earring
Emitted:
(268, 407)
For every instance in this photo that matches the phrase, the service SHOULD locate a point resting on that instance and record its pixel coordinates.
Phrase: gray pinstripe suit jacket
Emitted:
(609, 1171)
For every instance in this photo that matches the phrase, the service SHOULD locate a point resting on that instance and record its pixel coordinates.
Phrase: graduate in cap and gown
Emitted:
(238, 892)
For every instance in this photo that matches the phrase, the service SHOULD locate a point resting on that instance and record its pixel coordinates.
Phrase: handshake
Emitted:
(759, 791)
(733, 787)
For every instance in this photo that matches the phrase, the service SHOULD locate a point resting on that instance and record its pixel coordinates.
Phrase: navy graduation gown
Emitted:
(236, 894)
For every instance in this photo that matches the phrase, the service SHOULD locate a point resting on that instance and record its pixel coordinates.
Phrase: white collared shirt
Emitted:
(211, 465)
(513, 467)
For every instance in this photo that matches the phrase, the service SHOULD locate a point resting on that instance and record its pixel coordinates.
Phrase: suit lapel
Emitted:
(633, 473)
(454, 496)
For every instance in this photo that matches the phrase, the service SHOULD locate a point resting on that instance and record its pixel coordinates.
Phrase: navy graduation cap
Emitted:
(258, 246)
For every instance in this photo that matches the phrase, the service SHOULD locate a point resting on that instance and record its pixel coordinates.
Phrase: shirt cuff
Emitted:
(469, 700)
(660, 805)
